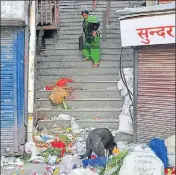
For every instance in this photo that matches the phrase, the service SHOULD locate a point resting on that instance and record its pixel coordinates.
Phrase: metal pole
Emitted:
(108, 11)
(104, 26)
(32, 55)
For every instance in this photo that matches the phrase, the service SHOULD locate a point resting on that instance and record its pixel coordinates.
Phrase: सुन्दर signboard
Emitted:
(150, 30)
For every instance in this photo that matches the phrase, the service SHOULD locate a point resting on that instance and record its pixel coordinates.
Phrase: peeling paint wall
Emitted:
(14, 10)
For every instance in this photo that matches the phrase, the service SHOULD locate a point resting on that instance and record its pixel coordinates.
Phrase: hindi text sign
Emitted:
(148, 30)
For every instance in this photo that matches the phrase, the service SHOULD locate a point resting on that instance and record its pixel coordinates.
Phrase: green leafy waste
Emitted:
(115, 163)
(51, 151)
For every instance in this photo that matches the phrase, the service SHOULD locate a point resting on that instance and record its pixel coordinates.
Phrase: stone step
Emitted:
(68, 37)
(103, 2)
(110, 123)
(82, 94)
(106, 123)
(79, 20)
(79, 78)
(77, 32)
(75, 47)
(68, 58)
(107, 52)
(77, 16)
(83, 64)
(89, 3)
(74, 10)
(83, 103)
(118, 137)
(83, 85)
(77, 25)
(82, 113)
(80, 71)
(76, 41)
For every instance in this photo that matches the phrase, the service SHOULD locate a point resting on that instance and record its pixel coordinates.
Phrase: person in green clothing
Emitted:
(91, 45)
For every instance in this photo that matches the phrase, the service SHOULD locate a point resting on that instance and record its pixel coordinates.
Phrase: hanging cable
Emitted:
(122, 75)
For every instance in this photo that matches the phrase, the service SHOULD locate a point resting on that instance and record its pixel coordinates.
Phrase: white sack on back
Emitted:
(142, 163)
(125, 124)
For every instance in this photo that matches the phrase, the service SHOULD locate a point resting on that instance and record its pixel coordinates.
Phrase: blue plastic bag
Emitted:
(159, 148)
(97, 162)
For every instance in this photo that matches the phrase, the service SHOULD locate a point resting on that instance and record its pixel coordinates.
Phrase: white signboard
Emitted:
(148, 30)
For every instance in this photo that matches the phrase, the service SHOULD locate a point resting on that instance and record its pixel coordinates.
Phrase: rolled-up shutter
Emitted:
(165, 1)
(12, 89)
(156, 92)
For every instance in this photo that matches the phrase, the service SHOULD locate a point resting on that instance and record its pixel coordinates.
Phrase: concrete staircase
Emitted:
(96, 95)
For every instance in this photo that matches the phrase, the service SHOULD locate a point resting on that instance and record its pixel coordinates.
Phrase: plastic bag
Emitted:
(127, 100)
(171, 159)
(120, 85)
(159, 148)
(126, 110)
(97, 162)
(170, 144)
(30, 147)
(68, 163)
(82, 171)
(142, 162)
(125, 124)
(124, 92)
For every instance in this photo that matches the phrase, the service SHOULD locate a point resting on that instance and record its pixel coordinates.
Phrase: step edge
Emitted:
(87, 99)
(81, 110)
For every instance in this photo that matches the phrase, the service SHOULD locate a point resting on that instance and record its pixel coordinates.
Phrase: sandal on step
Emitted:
(96, 65)
(85, 59)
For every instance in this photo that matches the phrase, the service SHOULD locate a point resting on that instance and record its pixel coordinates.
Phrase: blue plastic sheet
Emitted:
(159, 148)
(97, 162)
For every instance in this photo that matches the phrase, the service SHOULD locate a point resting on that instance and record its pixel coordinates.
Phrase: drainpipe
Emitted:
(32, 54)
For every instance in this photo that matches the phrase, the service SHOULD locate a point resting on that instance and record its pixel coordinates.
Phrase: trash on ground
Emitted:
(59, 148)
(141, 161)
(159, 148)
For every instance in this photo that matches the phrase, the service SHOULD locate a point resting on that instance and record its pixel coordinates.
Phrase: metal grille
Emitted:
(49, 12)
(156, 92)
(12, 93)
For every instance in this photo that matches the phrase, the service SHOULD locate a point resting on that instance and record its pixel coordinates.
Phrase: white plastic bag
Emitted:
(124, 92)
(68, 162)
(170, 144)
(171, 159)
(127, 100)
(126, 110)
(30, 147)
(82, 171)
(125, 124)
(142, 162)
(120, 85)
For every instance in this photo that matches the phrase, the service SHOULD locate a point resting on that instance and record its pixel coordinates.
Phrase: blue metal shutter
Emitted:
(12, 89)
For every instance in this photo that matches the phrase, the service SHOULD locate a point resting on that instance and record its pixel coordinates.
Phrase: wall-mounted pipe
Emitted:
(32, 55)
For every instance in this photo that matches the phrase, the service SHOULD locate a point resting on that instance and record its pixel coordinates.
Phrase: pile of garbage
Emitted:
(60, 150)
